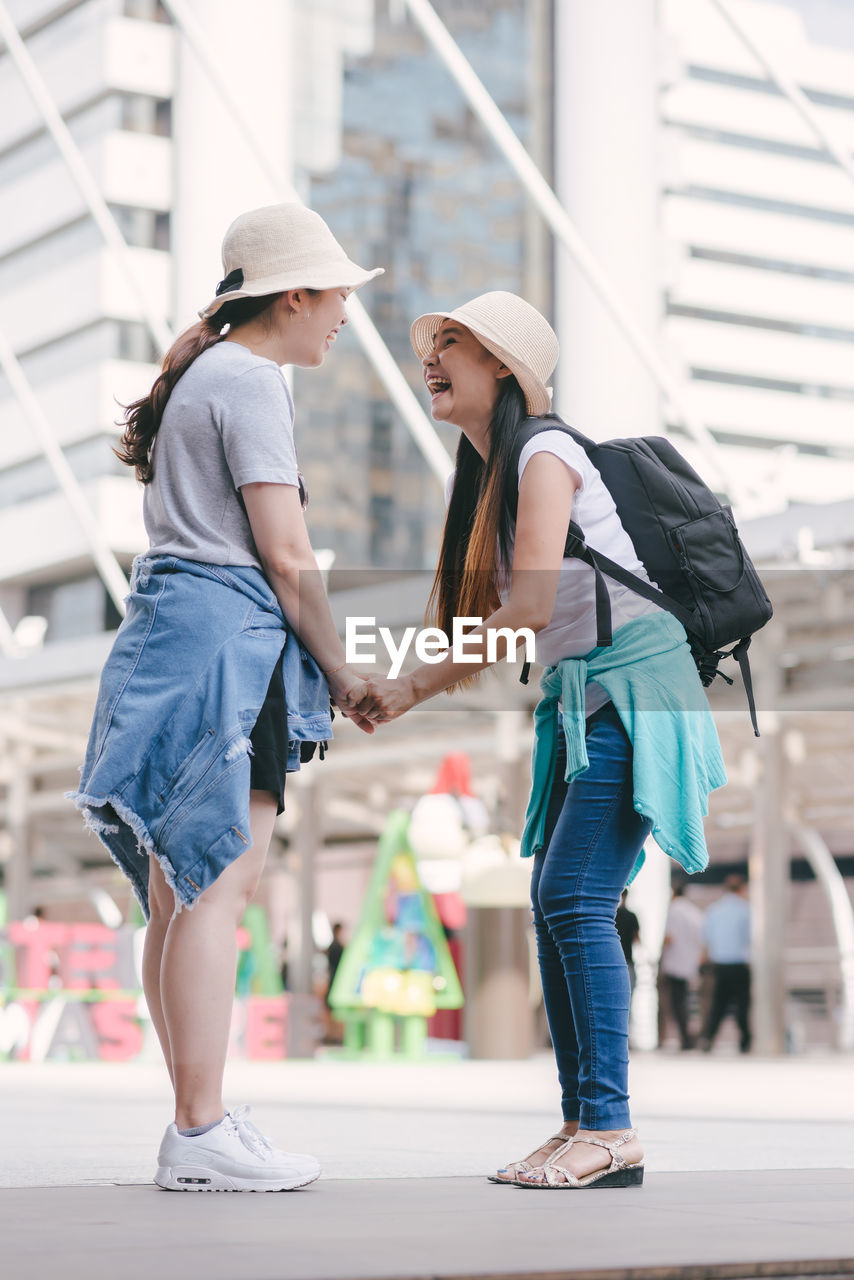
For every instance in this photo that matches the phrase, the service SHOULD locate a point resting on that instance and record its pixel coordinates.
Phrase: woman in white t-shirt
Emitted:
(485, 365)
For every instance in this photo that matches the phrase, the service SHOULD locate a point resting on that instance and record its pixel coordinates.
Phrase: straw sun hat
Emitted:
(279, 247)
(511, 329)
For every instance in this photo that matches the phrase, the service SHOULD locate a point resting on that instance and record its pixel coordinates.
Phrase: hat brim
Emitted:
(422, 334)
(334, 275)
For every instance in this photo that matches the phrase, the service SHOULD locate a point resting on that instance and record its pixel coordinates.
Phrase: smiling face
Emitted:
(316, 319)
(463, 378)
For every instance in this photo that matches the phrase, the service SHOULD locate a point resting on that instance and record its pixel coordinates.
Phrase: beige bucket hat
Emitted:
(511, 329)
(279, 247)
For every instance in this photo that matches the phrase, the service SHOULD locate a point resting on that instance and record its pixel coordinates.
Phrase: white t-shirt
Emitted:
(684, 927)
(571, 630)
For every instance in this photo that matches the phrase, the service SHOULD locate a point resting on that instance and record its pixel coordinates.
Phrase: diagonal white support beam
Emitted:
(87, 185)
(842, 913)
(108, 566)
(400, 393)
(490, 116)
(786, 85)
(7, 636)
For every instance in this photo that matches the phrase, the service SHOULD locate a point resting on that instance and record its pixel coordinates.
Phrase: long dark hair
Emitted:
(478, 520)
(142, 418)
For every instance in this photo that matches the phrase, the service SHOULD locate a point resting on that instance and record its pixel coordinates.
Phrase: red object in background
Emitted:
(454, 776)
(451, 910)
(447, 1024)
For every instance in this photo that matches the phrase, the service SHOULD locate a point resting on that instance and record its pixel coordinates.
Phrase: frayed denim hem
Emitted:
(87, 804)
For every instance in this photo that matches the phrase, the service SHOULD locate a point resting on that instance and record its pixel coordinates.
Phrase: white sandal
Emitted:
(524, 1166)
(617, 1174)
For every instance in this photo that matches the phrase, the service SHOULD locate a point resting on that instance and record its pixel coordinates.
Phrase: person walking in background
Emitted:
(628, 927)
(680, 963)
(726, 934)
(334, 952)
(486, 365)
(220, 676)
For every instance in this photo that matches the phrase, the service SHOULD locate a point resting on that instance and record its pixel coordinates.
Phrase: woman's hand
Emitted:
(347, 689)
(384, 700)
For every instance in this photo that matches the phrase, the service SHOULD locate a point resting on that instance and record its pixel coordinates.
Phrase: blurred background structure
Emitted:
(719, 227)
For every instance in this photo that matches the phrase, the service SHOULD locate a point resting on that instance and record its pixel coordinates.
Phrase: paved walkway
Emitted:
(750, 1171)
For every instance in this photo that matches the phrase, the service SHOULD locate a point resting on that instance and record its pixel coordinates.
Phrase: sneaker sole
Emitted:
(194, 1178)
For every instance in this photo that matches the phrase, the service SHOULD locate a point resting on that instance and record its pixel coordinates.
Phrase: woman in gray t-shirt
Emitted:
(213, 445)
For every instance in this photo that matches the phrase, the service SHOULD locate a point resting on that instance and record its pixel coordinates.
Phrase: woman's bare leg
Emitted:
(197, 975)
(161, 902)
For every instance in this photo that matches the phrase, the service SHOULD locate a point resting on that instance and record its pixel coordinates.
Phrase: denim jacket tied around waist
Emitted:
(167, 765)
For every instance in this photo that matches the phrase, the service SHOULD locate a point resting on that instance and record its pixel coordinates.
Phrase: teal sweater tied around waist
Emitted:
(650, 676)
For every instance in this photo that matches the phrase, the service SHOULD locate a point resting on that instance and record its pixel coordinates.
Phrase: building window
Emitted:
(140, 113)
(142, 228)
(827, 332)
(819, 96)
(766, 204)
(33, 479)
(77, 607)
(821, 390)
(771, 264)
(148, 10)
(382, 438)
(382, 528)
(135, 342)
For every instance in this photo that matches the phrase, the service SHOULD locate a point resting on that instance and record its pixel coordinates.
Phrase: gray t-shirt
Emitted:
(228, 422)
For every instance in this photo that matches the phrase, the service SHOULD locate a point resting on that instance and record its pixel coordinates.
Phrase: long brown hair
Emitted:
(478, 520)
(142, 418)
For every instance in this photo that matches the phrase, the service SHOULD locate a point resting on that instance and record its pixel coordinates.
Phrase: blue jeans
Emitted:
(593, 837)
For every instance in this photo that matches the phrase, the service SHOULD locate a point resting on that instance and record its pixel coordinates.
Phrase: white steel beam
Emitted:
(87, 185)
(490, 116)
(399, 391)
(787, 86)
(842, 913)
(107, 565)
(7, 636)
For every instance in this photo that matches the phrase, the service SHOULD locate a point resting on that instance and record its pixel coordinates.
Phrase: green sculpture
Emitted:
(397, 970)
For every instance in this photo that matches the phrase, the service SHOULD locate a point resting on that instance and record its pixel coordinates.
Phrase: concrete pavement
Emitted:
(750, 1171)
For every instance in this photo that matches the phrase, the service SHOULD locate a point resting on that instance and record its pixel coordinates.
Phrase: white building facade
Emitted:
(726, 230)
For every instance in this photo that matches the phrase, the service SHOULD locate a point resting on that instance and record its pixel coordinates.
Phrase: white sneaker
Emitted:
(233, 1156)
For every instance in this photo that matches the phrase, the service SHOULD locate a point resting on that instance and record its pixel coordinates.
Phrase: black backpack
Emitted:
(686, 540)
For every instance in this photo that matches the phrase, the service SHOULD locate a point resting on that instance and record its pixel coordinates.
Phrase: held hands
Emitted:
(383, 700)
(347, 689)
(368, 702)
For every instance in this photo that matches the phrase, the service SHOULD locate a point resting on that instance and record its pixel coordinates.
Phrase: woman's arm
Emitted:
(281, 537)
(542, 519)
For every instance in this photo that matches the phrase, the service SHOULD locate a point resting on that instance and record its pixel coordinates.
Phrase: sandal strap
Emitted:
(556, 1137)
(617, 1161)
(611, 1147)
(555, 1176)
(524, 1166)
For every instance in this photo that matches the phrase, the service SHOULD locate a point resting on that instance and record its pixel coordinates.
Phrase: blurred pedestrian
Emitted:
(628, 927)
(333, 1031)
(726, 933)
(334, 952)
(680, 962)
(221, 674)
(606, 774)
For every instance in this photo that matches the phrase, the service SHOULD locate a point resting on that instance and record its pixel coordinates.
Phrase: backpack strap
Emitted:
(576, 547)
(740, 655)
(630, 580)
